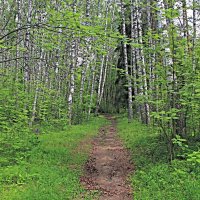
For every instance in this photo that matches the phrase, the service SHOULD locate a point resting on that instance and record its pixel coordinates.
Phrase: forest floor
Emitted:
(88, 161)
(108, 166)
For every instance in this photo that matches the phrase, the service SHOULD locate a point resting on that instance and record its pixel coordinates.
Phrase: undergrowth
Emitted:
(46, 166)
(154, 177)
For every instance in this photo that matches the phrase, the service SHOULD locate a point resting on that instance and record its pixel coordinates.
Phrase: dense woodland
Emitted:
(63, 62)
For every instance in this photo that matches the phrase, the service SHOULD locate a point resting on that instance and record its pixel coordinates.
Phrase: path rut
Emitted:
(108, 166)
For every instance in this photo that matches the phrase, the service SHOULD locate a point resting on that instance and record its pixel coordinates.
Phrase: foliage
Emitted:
(64, 61)
(154, 178)
(52, 166)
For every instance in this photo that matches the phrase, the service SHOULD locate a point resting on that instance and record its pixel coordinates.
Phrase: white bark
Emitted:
(194, 34)
(86, 55)
(92, 87)
(18, 21)
(104, 79)
(72, 75)
(37, 89)
(133, 51)
(142, 70)
(28, 44)
(100, 84)
(72, 81)
(130, 101)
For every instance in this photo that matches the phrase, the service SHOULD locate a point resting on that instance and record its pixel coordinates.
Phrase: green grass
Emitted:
(154, 178)
(52, 167)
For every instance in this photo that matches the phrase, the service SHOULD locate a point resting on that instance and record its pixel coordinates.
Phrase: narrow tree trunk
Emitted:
(18, 21)
(133, 53)
(130, 101)
(142, 69)
(102, 60)
(27, 47)
(92, 89)
(72, 75)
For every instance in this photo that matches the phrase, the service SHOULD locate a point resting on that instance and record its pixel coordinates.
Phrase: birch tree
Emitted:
(129, 83)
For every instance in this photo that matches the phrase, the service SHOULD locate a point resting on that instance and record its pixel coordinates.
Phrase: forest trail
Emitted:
(108, 166)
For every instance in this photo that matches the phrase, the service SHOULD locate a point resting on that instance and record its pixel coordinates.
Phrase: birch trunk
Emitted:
(102, 65)
(185, 23)
(130, 101)
(133, 53)
(92, 89)
(72, 75)
(18, 21)
(27, 46)
(86, 55)
(38, 72)
(104, 79)
(194, 24)
(99, 85)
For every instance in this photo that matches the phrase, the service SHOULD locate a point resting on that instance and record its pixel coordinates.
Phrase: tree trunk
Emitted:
(130, 101)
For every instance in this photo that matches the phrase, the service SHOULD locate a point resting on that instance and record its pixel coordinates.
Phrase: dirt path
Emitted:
(108, 166)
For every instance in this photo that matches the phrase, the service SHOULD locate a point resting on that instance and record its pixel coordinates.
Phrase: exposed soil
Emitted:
(108, 166)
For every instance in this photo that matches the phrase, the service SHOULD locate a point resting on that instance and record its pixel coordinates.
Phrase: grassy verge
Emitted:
(154, 178)
(51, 167)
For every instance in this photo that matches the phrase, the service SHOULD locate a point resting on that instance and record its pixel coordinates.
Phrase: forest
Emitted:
(100, 99)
